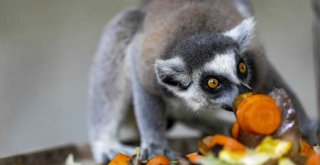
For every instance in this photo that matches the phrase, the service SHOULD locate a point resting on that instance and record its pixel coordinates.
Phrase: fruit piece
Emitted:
(285, 161)
(194, 157)
(314, 160)
(274, 147)
(159, 160)
(259, 114)
(250, 157)
(226, 142)
(235, 130)
(306, 149)
(120, 159)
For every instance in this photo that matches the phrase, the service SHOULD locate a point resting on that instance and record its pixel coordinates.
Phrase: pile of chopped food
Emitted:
(266, 133)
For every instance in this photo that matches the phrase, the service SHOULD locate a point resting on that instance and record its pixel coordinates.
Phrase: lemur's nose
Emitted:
(244, 88)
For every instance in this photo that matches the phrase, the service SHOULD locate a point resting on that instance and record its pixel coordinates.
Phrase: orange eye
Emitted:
(213, 83)
(242, 67)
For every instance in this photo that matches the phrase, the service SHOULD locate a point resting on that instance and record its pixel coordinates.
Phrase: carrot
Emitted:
(226, 142)
(120, 159)
(259, 114)
(194, 157)
(235, 130)
(313, 160)
(306, 149)
(159, 160)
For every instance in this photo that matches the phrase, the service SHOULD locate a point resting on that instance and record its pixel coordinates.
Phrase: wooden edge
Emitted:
(55, 155)
(58, 155)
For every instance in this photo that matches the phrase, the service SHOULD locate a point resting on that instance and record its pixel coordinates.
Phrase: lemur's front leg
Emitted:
(150, 115)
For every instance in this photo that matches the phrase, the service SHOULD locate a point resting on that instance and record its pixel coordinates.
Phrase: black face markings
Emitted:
(198, 49)
(244, 59)
(224, 84)
(170, 80)
(172, 73)
(227, 107)
(242, 69)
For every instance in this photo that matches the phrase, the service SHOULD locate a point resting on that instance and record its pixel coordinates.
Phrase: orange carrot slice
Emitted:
(259, 114)
(194, 157)
(314, 160)
(159, 160)
(120, 159)
(306, 149)
(226, 142)
(235, 130)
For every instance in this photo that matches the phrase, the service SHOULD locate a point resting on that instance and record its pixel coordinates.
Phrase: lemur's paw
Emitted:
(149, 151)
(104, 152)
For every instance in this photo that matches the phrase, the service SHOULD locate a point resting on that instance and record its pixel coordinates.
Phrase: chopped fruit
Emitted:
(306, 149)
(274, 147)
(120, 159)
(314, 160)
(235, 130)
(250, 157)
(258, 114)
(227, 143)
(159, 160)
(194, 157)
(285, 161)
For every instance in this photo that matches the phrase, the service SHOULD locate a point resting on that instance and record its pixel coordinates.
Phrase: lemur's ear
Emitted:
(172, 73)
(243, 32)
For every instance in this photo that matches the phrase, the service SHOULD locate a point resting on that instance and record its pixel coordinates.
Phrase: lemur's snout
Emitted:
(244, 88)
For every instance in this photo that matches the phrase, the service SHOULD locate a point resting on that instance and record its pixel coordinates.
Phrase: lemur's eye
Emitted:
(213, 83)
(242, 68)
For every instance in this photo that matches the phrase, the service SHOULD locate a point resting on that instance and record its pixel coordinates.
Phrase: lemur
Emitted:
(176, 59)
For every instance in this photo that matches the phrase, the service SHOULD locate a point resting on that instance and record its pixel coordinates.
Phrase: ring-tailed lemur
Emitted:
(175, 58)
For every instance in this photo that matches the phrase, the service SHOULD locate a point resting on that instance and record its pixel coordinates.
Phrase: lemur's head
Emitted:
(209, 70)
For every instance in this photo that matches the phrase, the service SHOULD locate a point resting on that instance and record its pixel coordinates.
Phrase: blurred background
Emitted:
(46, 48)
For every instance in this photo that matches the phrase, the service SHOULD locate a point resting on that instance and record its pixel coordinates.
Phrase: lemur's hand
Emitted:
(150, 150)
(104, 151)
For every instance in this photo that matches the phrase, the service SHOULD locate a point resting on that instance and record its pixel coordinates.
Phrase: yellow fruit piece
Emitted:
(247, 158)
(274, 147)
(285, 161)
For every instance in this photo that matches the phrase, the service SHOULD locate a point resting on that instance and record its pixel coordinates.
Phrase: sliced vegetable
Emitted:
(159, 160)
(259, 114)
(235, 130)
(274, 147)
(120, 159)
(285, 161)
(226, 142)
(194, 157)
(314, 160)
(249, 158)
(306, 149)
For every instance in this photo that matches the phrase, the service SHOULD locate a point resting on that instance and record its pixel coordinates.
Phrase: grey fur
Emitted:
(110, 85)
(135, 65)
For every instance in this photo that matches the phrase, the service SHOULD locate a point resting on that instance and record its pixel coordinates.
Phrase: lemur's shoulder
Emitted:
(167, 22)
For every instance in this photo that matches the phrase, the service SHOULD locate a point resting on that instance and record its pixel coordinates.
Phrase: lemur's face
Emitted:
(208, 71)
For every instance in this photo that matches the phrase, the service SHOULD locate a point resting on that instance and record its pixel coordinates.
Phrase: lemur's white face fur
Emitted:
(208, 71)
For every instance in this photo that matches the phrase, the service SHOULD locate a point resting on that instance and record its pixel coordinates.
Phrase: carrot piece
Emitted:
(306, 149)
(259, 114)
(120, 159)
(159, 160)
(313, 160)
(226, 142)
(235, 130)
(194, 157)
